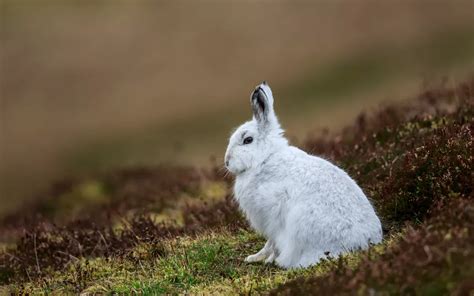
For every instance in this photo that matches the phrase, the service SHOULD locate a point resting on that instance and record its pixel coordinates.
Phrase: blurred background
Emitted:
(89, 86)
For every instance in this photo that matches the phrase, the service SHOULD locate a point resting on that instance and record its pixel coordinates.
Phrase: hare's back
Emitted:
(308, 176)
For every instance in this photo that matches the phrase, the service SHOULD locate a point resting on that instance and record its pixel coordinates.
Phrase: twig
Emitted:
(105, 241)
(36, 254)
(28, 274)
(95, 247)
(67, 254)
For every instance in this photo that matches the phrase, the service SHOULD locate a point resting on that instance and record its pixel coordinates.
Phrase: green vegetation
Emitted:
(211, 262)
(177, 230)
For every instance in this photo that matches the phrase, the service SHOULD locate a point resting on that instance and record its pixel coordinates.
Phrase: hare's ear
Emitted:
(262, 107)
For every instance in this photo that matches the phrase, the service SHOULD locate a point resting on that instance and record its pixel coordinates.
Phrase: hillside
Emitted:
(107, 84)
(176, 229)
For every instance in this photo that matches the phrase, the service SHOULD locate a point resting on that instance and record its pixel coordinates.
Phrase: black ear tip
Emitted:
(264, 82)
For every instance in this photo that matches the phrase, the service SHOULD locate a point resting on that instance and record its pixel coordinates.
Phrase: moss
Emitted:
(87, 194)
(211, 262)
(181, 264)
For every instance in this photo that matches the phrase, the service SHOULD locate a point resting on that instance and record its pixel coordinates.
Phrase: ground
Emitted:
(169, 229)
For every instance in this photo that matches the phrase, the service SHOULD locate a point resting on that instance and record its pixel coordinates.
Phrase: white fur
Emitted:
(304, 205)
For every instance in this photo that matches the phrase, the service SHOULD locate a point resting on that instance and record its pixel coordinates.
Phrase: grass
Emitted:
(201, 261)
(209, 263)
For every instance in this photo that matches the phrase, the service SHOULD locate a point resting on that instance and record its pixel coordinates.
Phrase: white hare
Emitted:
(303, 205)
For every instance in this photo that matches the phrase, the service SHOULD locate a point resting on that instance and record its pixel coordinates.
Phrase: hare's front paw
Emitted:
(256, 257)
(266, 252)
(270, 258)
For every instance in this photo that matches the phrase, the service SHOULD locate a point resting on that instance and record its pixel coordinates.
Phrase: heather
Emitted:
(176, 229)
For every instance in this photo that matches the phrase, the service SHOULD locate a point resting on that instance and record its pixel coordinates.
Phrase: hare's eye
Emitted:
(248, 140)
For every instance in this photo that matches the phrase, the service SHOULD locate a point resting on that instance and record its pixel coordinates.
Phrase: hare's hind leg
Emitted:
(266, 252)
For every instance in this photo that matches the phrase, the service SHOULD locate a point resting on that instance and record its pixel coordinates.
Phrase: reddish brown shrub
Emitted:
(51, 246)
(406, 160)
(417, 165)
(142, 189)
(220, 214)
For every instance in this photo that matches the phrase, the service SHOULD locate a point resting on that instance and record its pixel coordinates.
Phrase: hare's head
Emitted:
(254, 141)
